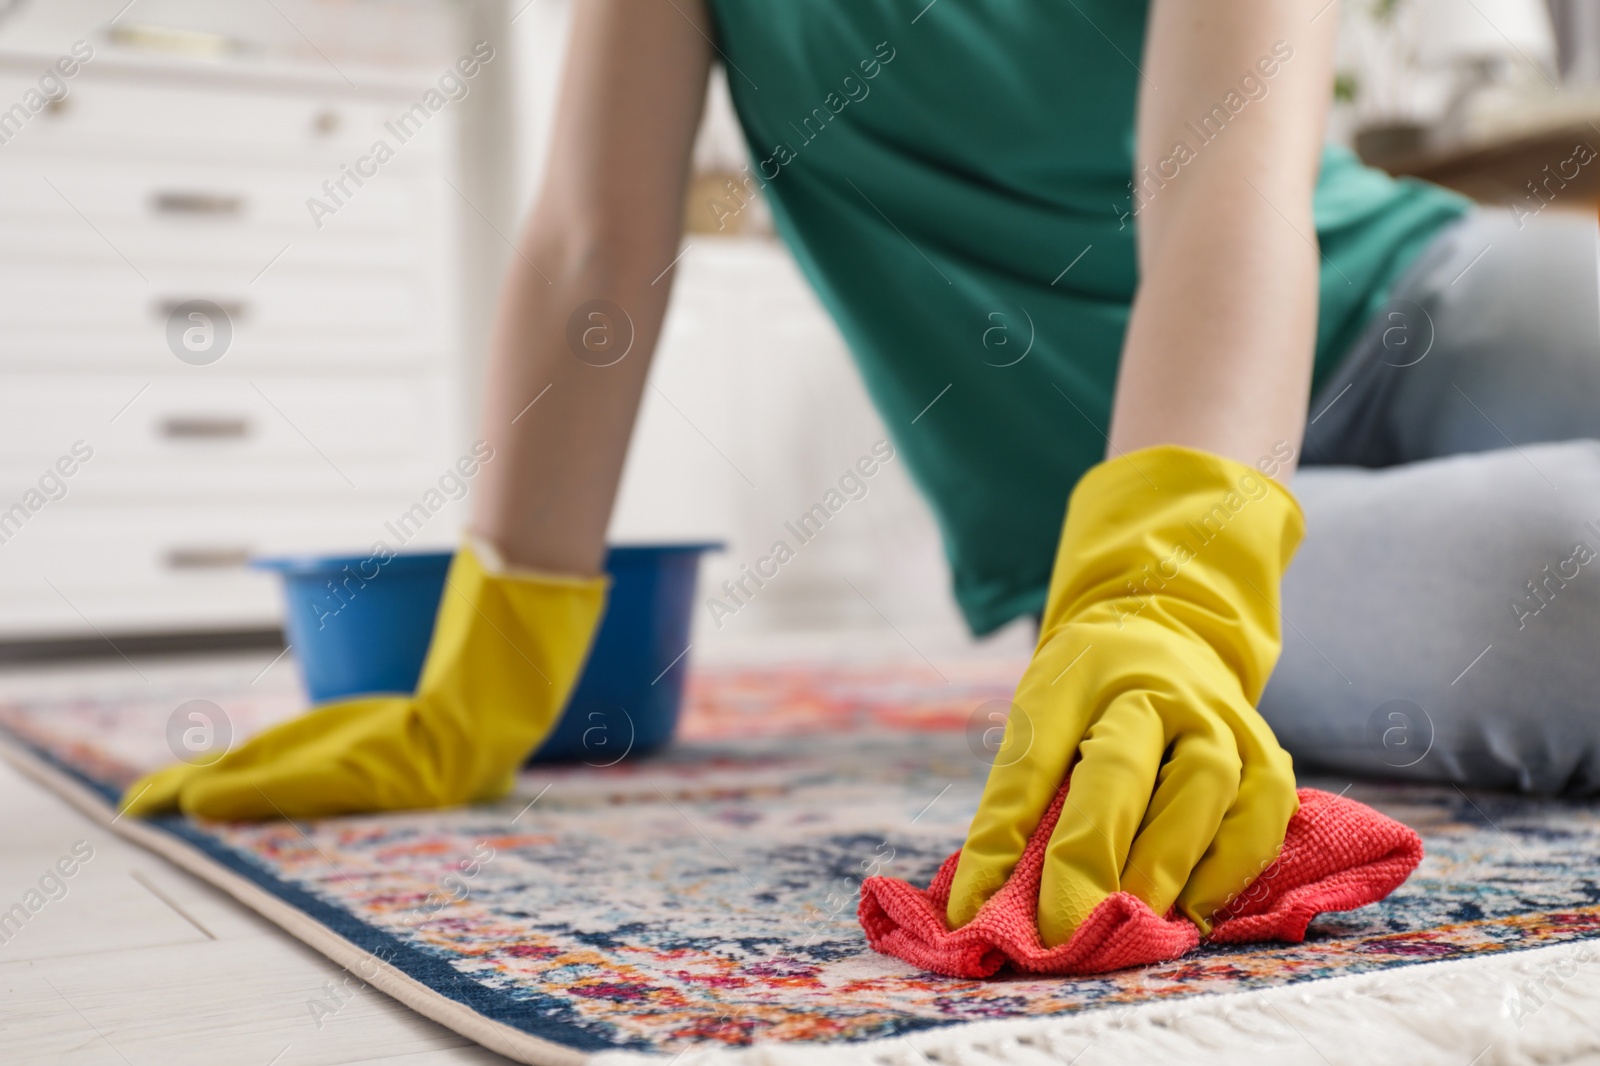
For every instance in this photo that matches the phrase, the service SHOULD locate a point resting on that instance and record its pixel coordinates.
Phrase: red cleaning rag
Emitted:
(1337, 855)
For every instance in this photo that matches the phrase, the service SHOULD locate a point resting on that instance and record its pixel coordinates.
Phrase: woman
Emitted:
(1138, 199)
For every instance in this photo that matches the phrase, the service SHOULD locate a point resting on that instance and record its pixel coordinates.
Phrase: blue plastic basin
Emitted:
(357, 634)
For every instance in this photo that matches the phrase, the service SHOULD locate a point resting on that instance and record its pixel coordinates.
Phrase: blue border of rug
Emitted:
(537, 1015)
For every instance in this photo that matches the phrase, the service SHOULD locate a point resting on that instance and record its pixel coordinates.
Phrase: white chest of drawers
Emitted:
(337, 405)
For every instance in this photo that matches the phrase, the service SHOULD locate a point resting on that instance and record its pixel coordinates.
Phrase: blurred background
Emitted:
(167, 159)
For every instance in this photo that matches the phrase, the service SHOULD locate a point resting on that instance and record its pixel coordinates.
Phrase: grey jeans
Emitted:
(1442, 616)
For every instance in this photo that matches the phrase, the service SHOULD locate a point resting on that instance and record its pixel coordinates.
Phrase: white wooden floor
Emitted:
(141, 963)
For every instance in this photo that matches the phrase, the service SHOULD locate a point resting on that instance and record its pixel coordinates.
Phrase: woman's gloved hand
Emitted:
(506, 651)
(1158, 635)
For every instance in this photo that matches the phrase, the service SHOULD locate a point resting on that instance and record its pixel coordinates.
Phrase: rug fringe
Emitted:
(1515, 1009)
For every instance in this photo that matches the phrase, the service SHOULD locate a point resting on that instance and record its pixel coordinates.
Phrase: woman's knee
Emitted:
(1440, 621)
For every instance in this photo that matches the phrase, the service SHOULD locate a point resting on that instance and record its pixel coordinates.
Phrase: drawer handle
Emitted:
(234, 309)
(210, 205)
(202, 427)
(214, 558)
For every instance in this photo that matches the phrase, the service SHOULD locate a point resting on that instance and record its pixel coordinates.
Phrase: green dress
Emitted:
(955, 180)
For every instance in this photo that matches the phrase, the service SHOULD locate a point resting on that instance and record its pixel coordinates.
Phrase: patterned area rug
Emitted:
(705, 898)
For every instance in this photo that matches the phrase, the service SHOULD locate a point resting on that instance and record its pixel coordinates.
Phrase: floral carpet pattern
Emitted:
(707, 895)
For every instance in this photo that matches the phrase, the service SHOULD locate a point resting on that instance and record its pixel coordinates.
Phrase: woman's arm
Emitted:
(607, 223)
(1219, 346)
(1156, 639)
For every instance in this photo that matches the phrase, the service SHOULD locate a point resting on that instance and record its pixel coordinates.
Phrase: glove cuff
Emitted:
(1193, 536)
(493, 564)
(512, 622)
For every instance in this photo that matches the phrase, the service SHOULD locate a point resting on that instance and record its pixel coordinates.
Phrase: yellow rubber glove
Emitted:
(507, 647)
(1158, 635)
